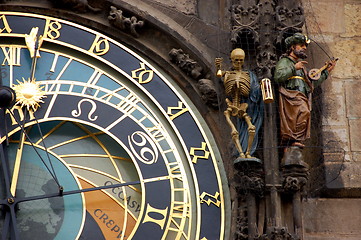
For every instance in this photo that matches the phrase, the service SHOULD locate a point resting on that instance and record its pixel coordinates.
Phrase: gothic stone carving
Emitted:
(184, 62)
(289, 20)
(195, 71)
(278, 234)
(208, 92)
(245, 19)
(117, 19)
(251, 184)
(294, 184)
(256, 20)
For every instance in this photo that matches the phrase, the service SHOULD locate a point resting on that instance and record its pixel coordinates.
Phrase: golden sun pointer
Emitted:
(29, 94)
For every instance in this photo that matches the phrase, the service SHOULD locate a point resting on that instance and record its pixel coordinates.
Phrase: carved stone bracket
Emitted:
(192, 69)
(254, 185)
(294, 170)
(185, 63)
(294, 184)
(117, 19)
(249, 177)
(208, 92)
(250, 187)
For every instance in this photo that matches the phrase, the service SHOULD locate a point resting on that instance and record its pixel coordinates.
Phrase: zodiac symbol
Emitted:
(77, 113)
(147, 155)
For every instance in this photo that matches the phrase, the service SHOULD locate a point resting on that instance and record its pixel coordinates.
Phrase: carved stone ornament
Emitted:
(245, 19)
(289, 20)
(208, 92)
(294, 184)
(81, 6)
(250, 184)
(184, 62)
(192, 69)
(278, 234)
(117, 19)
(242, 229)
(256, 21)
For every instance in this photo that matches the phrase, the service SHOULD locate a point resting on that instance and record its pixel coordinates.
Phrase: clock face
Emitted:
(101, 145)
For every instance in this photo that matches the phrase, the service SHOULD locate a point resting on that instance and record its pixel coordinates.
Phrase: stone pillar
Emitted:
(250, 187)
(295, 174)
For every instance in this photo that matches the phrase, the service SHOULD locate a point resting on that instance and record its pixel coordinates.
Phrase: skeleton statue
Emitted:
(243, 88)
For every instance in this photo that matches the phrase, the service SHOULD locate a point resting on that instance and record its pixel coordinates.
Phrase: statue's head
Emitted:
(237, 57)
(297, 38)
(296, 45)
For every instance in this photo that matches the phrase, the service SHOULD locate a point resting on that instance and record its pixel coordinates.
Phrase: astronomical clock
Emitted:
(98, 142)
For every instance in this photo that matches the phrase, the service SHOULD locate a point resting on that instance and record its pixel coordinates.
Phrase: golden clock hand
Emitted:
(19, 154)
(33, 43)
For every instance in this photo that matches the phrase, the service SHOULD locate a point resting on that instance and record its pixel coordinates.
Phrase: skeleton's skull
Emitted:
(237, 57)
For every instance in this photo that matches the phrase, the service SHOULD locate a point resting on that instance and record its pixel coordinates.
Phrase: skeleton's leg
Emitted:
(234, 132)
(251, 133)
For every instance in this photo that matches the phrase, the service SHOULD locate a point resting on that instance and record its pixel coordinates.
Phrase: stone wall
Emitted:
(337, 219)
(336, 24)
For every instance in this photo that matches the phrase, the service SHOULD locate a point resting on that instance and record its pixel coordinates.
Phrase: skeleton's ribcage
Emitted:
(242, 85)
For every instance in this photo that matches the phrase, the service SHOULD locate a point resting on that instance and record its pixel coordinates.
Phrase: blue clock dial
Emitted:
(50, 217)
(108, 117)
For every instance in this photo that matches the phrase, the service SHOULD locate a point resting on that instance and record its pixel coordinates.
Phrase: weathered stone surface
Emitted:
(352, 20)
(343, 175)
(326, 219)
(336, 139)
(333, 157)
(356, 156)
(349, 52)
(334, 112)
(352, 174)
(185, 6)
(353, 99)
(334, 175)
(321, 15)
(208, 92)
(355, 136)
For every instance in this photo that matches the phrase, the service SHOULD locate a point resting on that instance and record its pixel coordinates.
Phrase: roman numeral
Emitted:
(11, 56)
(175, 171)
(195, 152)
(160, 220)
(156, 133)
(179, 218)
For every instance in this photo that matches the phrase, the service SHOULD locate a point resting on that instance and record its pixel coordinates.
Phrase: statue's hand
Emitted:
(331, 66)
(252, 128)
(218, 62)
(300, 64)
